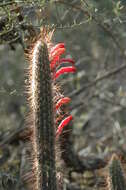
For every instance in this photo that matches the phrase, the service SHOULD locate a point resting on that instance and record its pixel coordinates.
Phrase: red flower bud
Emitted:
(53, 62)
(66, 60)
(56, 47)
(63, 124)
(62, 101)
(63, 70)
(58, 52)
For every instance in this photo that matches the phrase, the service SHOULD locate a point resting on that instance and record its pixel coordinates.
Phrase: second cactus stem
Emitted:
(116, 178)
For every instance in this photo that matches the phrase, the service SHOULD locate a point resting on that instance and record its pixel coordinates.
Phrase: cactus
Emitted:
(45, 100)
(116, 180)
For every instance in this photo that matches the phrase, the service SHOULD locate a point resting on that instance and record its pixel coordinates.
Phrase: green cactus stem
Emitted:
(116, 178)
(46, 102)
(42, 118)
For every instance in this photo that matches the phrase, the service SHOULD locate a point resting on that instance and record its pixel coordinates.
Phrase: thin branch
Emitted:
(5, 4)
(95, 81)
(104, 27)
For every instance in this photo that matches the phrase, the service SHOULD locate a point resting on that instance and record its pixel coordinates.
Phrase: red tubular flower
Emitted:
(63, 124)
(58, 52)
(59, 118)
(57, 61)
(63, 70)
(67, 60)
(62, 101)
(56, 47)
(53, 62)
(55, 57)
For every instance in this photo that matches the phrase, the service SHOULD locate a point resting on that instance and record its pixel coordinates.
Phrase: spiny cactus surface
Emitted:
(46, 101)
(116, 178)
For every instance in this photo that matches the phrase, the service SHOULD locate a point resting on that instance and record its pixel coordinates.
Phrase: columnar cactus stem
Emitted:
(43, 136)
(116, 178)
(45, 102)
